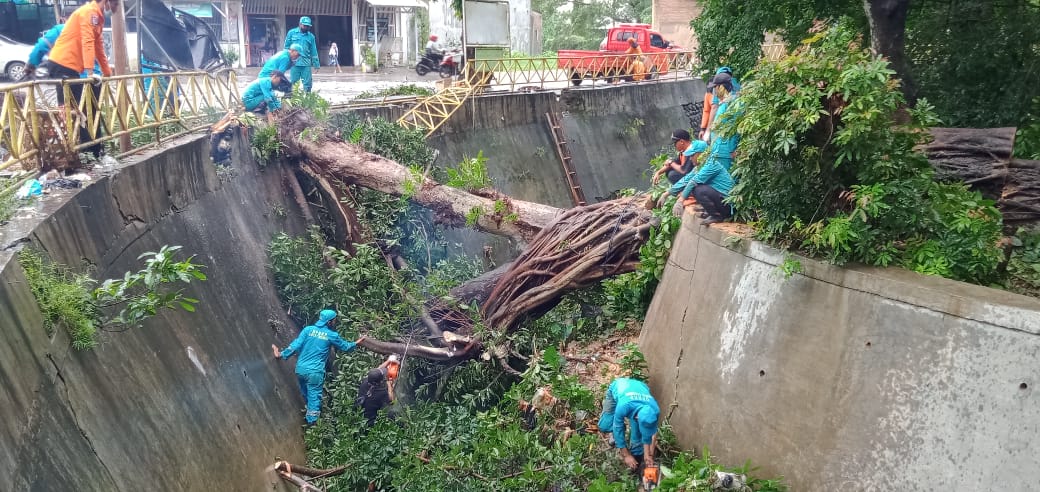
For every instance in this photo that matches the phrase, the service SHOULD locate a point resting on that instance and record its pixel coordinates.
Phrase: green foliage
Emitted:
(265, 144)
(953, 48)
(633, 363)
(311, 101)
(7, 200)
(629, 295)
(631, 129)
(231, 55)
(1027, 141)
(68, 298)
(825, 165)
(470, 174)
(579, 25)
(397, 90)
(789, 267)
(689, 473)
(63, 296)
(473, 216)
(1024, 263)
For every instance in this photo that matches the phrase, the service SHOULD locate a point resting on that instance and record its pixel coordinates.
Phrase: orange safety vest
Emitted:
(80, 44)
(706, 114)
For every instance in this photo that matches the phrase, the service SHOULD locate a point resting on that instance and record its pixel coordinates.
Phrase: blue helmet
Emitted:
(305, 21)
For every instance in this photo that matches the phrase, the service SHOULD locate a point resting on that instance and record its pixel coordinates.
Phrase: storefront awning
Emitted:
(402, 4)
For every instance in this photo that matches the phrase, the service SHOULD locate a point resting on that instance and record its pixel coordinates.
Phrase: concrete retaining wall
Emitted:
(845, 379)
(188, 401)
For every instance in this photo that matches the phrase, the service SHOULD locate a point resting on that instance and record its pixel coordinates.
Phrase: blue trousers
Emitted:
(301, 72)
(606, 424)
(311, 387)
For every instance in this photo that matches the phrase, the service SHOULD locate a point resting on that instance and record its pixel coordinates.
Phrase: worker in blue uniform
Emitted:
(313, 346)
(283, 61)
(43, 47)
(303, 36)
(630, 399)
(259, 96)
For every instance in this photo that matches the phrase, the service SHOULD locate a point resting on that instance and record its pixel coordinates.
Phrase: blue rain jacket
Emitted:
(309, 55)
(280, 61)
(633, 402)
(46, 42)
(259, 91)
(313, 345)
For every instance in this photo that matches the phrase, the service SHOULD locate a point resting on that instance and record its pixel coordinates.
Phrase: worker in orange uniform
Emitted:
(79, 46)
(632, 55)
(75, 52)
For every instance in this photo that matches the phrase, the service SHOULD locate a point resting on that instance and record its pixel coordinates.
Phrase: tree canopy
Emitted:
(978, 63)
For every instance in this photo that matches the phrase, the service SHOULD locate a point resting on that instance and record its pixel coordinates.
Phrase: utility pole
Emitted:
(57, 12)
(122, 66)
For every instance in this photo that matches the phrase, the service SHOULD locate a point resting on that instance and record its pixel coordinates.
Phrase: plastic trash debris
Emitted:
(30, 188)
(107, 163)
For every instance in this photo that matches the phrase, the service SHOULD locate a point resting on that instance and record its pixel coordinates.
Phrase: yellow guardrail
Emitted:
(37, 132)
(574, 69)
(774, 51)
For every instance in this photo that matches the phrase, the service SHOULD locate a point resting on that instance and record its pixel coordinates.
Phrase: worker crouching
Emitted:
(630, 399)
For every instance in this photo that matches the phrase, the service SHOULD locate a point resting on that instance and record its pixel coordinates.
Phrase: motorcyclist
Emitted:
(433, 50)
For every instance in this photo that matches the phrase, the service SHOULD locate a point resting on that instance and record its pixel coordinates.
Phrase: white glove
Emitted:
(393, 358)
(677, 209)
(95, 79)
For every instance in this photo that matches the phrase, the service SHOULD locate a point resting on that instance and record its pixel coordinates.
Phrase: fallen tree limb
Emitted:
(329, 155)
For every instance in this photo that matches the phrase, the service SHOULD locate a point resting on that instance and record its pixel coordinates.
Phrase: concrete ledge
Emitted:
(844, 378)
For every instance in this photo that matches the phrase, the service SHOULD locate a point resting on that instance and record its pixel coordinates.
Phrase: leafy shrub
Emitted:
(1023, 266)
(70, 299)
(265, 144)
(827, 163)
(470, 174)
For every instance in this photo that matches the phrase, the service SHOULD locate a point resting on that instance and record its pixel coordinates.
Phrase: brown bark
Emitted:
(982, 159)
(888, 38)
(331, 156)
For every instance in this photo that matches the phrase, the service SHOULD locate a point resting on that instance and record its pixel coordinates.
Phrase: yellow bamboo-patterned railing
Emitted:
(35, 128)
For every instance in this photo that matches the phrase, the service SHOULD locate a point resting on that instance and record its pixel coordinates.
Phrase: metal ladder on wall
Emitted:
(565, 158)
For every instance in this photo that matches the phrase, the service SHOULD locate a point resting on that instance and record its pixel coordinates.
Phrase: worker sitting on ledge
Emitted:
(259, 96)
(313, 347)
(630, 399)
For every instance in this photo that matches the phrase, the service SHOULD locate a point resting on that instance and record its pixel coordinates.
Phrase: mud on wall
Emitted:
(845, 379)
(188, 401)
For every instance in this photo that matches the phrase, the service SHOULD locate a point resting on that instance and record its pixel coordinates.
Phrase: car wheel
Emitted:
(15, 71)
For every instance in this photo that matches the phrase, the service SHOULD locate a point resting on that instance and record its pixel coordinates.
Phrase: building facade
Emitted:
(672, 18)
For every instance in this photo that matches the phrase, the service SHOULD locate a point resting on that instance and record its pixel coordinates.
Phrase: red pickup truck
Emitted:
(611, 62)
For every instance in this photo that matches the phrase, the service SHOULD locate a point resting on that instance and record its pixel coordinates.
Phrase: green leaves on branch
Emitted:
(471, 174)
(827, 164)
(68, 298)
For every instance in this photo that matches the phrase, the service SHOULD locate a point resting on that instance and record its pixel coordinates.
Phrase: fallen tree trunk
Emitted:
(982, 159)
(567, 250)
(326, 153)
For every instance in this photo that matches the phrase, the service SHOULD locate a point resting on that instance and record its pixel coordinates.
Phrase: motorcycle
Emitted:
(430, 62)
(452, 64)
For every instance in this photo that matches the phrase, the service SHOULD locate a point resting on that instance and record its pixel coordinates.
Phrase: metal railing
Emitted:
(147, 107)
(554, 73)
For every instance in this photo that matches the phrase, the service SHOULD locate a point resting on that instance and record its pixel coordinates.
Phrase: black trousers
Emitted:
(62, 72)
(674, 176)
(711, 200)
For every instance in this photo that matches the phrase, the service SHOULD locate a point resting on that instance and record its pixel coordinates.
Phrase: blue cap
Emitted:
(325, 316)
(696, 147)
(296, 47)
(724, 70)
(647, 419)
(305, 21)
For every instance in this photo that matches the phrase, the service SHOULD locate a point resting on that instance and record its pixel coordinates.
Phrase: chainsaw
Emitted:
(651, 476)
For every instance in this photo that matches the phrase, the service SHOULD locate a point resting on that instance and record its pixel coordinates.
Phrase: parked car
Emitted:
(13, 56)
(610, 60)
